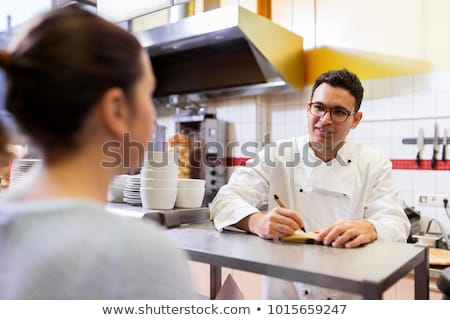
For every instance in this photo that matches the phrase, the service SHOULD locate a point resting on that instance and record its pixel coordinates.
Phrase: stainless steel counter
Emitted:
(368, 270)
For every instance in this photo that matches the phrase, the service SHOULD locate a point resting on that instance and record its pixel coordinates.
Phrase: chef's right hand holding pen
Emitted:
(277, 223)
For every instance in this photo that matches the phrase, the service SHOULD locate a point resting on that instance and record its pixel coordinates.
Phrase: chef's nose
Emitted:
(326, 117)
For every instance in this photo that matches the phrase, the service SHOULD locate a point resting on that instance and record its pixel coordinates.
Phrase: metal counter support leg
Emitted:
(371, 291)
(422, 278)
(215, 278)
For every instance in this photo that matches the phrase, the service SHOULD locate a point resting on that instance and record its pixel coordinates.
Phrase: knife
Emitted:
(420, 143)
(444, 145)
(435, 145)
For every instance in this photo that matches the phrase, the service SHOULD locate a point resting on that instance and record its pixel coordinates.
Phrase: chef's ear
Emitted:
(357, 119)
(115, 112)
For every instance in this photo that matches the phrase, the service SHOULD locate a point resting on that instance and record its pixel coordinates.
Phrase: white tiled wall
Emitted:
(393, 108)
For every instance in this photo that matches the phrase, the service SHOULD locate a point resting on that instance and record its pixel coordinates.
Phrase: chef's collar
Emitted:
(344, 153)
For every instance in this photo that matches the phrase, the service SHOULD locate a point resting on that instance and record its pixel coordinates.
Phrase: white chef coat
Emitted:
(357, 184)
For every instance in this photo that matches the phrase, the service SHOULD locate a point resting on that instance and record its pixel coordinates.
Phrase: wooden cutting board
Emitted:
(439, 257)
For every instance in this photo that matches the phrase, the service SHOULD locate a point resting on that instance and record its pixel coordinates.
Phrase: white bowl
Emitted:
(158, 198)
(189, 197)
(159, 174)
(159, 165)
(159, 155)
(158, 183)
(190, 183)
(158, 160)
(119, 180)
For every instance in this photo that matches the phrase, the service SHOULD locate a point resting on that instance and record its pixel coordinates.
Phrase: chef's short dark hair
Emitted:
(61, 68)
(343, 79)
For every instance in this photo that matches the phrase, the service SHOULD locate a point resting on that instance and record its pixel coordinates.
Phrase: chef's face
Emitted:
(325, 133)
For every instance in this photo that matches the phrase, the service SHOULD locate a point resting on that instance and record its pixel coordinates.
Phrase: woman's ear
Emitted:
(115, 112)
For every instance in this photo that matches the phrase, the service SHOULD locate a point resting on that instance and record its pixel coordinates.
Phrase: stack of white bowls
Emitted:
(190, 193)
(159, 180)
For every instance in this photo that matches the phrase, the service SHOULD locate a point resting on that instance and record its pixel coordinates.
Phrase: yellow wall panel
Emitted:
(366, 65)
(379, 38)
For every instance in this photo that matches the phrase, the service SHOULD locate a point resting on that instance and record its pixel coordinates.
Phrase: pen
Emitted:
(283, 205)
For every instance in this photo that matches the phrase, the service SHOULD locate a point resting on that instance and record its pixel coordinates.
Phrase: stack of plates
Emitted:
(131, 192)
(19, 168)
(115, 189)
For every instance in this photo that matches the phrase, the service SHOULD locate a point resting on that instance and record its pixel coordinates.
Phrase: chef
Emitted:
(329, 184)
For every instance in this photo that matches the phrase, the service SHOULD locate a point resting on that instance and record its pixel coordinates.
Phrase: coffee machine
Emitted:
(207, 147)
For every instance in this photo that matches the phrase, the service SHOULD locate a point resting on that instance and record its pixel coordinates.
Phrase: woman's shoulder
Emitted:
(137, 253)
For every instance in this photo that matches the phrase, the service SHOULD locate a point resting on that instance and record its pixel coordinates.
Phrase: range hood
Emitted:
(222, 53)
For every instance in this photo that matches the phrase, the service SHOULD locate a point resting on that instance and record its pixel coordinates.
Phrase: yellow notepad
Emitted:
(308, 238)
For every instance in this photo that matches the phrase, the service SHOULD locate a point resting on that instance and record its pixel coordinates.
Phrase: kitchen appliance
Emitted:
(207, 147)
(224, 52)
(158, 142)
(414, 219)
(431, 239)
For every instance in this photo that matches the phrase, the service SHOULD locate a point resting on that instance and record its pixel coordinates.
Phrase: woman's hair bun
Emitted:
(5, 58)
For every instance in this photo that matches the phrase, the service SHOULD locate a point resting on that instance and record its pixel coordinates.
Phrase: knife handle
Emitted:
(443, 152)
(433, 159)
(418, 159)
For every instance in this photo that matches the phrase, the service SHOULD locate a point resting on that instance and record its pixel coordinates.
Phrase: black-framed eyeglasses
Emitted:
(338, 114)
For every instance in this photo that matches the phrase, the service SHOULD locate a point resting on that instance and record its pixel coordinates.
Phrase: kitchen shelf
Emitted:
(425, 141)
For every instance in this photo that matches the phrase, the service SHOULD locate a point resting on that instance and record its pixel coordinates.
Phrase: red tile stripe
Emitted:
(236, 162)
(397, 164)
(405, 164)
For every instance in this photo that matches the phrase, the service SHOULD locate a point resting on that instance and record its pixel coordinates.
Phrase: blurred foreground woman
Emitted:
(81, 88)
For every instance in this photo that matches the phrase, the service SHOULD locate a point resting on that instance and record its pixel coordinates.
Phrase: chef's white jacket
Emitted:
(357, 184)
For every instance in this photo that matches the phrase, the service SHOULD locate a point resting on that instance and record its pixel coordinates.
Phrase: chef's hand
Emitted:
(348, 233)
(277, 223)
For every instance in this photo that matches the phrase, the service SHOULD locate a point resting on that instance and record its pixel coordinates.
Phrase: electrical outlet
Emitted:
(433, 200)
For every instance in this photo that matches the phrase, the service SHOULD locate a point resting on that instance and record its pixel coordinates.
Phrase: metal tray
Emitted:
(175, 217)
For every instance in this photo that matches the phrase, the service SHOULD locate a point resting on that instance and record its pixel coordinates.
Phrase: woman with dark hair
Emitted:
(81, 88)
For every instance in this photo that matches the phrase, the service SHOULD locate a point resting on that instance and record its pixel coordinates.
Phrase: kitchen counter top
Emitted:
(367, 270)
(139, 212)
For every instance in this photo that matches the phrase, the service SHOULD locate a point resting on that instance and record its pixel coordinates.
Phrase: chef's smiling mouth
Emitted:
(324, 130)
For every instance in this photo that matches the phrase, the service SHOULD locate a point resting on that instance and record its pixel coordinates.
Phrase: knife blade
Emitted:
(420, 143)
(435, 145)
(444, 145)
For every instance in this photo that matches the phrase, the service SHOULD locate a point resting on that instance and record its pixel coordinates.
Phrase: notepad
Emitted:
(308, 238)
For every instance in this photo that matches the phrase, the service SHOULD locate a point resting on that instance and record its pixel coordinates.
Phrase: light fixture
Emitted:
(119, 10)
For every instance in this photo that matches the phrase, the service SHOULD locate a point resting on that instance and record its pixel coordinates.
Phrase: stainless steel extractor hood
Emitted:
(224, 52)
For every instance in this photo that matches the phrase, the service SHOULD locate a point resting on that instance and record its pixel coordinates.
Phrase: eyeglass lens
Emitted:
(337, 113)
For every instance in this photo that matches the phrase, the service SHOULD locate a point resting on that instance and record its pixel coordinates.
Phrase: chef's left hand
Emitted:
(348, 233)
